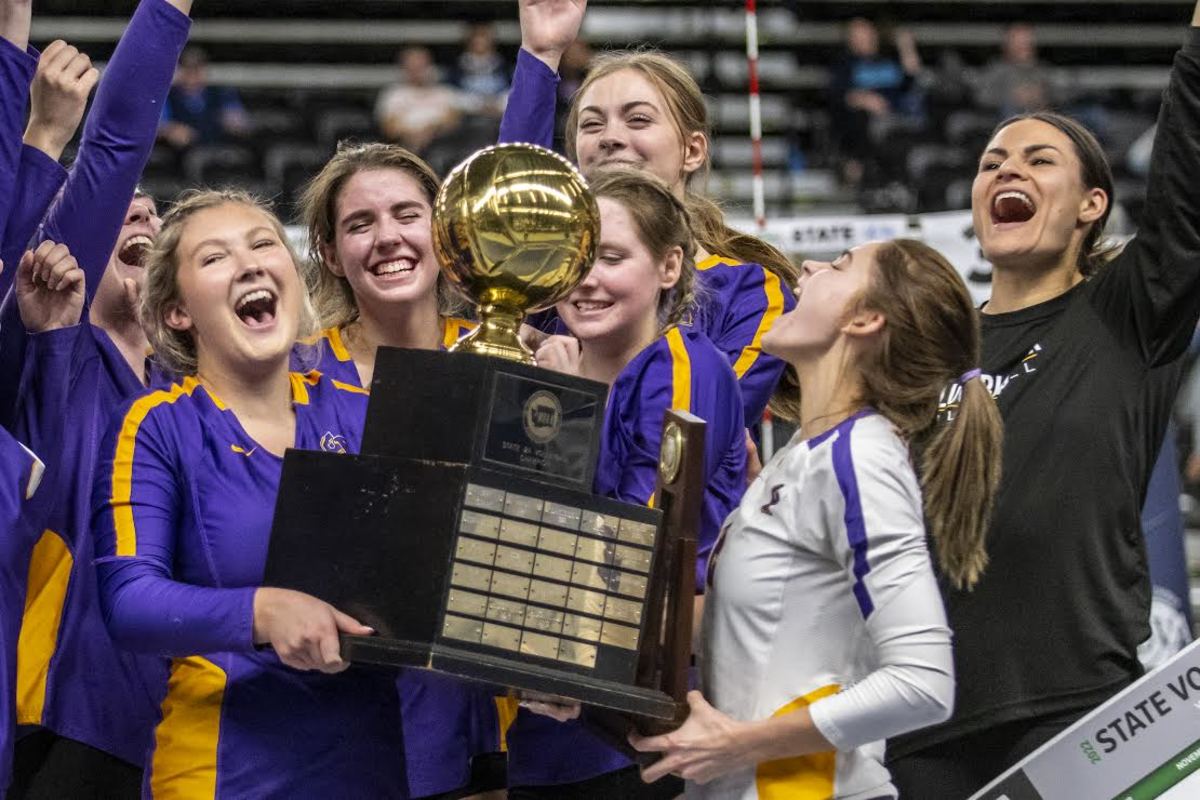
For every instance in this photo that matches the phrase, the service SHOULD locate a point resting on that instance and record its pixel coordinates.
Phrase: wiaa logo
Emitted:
(542, 416)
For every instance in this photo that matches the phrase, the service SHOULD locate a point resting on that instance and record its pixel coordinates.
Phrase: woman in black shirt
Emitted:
(1080, 349)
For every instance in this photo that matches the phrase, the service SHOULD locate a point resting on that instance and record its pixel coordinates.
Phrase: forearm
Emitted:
(39, 178)
(45, 388)
(529, 115)
(785, 736)
(148, 612)
(16, 71)
(118, 136)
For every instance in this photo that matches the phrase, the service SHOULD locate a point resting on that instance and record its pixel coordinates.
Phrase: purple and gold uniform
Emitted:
(71, 678)
(738, 302)
(20, 473)
(184, 500)
(446, 721)
(680, 370)
(328, 352)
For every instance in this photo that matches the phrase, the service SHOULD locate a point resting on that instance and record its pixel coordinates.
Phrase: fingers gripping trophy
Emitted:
(466, 533)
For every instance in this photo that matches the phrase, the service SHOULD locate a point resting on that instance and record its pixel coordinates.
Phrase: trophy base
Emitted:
(496, 337)
(649, 705)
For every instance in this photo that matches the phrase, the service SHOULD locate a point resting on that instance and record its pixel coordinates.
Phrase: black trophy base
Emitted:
(610, 695)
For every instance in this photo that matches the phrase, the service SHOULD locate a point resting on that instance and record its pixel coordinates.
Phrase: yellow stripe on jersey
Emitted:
(349, 387)
(506, 714)
(300, 383)
(681, 371)
(184, 764)
(454, 328)
(49, 577)
(751, 351)
(334, 337)
(808, 777)
(122, 476)
(713, 261)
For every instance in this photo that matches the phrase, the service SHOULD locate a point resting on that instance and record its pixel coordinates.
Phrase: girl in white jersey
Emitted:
(824, 630)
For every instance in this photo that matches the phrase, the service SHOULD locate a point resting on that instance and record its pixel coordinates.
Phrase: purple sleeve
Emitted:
(744, 302)
(45, 388)
(117, 137)
(39, 177)
(16, 72)
(140, 517)
(19, 470)
(532, 100)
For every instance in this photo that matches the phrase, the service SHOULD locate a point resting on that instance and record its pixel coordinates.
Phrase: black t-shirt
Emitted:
(1084, 383)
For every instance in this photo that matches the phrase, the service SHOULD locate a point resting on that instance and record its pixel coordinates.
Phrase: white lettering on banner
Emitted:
(816, 237)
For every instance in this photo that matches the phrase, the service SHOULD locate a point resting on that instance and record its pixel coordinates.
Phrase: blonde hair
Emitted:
(931, 340)
(662, 223)
(689, 113)
(174, 349)
(318, 209)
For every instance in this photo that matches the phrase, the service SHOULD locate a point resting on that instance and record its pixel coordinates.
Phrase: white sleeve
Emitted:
(880, 541)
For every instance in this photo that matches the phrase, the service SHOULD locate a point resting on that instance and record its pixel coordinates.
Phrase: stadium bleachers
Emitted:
(308, 72)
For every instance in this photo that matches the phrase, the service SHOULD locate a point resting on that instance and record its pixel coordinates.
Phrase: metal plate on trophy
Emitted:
(540, 427)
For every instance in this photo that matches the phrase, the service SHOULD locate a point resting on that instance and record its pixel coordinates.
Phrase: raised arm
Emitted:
(119, 135)
(1152, 291)
(16, 70)
(548, 27)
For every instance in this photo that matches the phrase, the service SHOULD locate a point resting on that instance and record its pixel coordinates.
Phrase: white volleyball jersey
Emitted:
(822, 595)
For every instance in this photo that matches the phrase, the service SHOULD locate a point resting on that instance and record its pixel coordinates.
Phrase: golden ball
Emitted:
(515, 225)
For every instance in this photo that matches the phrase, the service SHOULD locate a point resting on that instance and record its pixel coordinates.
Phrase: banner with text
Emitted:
(1141, 745)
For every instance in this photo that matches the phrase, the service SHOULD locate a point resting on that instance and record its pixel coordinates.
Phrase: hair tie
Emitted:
(969, 375)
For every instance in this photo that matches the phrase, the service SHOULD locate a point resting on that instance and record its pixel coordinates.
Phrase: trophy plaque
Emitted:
(466, 533)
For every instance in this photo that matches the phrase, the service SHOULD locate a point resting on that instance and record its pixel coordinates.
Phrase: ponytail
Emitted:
(930, 339)
(960, 474)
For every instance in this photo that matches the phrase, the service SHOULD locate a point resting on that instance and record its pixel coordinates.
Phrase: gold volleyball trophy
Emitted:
(466, 533)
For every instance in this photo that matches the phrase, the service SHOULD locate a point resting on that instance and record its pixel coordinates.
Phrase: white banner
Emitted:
(949, 232)
(1144, 744)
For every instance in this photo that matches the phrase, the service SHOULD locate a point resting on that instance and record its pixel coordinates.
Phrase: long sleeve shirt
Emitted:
(184, 504)
(1084, 383)
(823, 596)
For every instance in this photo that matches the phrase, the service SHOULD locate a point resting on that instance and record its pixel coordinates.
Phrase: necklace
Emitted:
(847, 410)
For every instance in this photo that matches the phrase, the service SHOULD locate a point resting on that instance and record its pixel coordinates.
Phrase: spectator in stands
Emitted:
(867, 88)
(1018, 81)
(197, 112)
(420, 107)
(481, 73)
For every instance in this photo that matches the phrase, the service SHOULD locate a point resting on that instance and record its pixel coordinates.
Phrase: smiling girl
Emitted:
(184, 502)
(643, 110)
(1080, 348)
(628, 315)
(824, 630)
(368, 214)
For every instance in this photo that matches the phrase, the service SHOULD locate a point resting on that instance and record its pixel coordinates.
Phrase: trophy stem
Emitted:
(497, 335)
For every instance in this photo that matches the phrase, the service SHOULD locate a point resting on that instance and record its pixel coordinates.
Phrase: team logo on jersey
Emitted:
(332, 443)
(241, 451)
(542, 416)
(767, 506)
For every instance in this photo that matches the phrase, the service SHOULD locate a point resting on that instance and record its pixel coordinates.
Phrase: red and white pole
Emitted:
(759, 191)
(760, 210)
